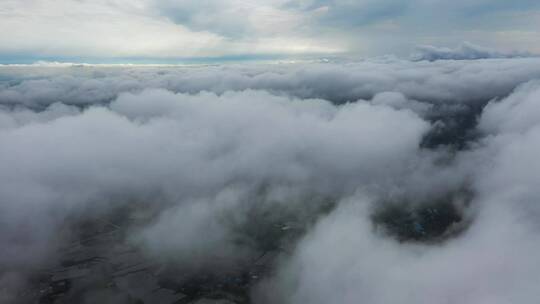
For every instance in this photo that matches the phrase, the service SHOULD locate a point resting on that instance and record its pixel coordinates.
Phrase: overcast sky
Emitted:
(116, 30)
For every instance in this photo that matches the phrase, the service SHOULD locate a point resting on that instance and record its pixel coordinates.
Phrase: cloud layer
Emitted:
(212, 156)
(448, 81)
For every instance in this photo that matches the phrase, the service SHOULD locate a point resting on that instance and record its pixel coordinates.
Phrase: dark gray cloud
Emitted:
(517, 114)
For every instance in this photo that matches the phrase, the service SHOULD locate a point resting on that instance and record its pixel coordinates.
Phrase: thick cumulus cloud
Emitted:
(209, 155)
(200, 155)
(518, 113)
(514, 141)
(343, 260)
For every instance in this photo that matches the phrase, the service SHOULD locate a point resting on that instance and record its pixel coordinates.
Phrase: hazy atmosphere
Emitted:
(269, 152)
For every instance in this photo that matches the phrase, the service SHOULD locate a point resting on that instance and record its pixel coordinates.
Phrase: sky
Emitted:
(113, 31)
(206, 169)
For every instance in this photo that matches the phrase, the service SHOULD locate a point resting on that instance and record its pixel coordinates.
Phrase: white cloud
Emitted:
(185, 148)
(343, 260)
(204, 148)
(516, 114)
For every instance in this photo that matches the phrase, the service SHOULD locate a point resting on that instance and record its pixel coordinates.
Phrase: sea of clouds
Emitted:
(204, 147)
